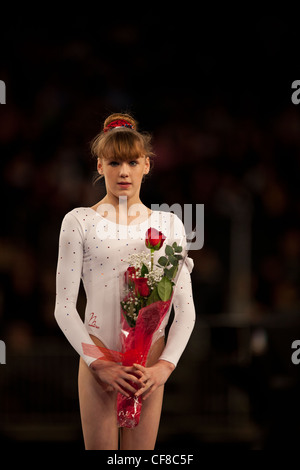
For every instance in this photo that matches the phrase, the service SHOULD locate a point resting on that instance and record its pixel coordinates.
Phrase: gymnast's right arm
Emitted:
(68, 276)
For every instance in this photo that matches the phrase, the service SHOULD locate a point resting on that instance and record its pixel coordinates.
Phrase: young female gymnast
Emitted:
(93, 244)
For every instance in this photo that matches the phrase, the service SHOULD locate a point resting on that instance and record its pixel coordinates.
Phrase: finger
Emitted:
(132, 378)
(134, 375)
(132, 370)
(126, 385)
(141, 370)
(140, 367)
(120, 390)
(138, 373)
(150, 391)
(139, 392)
(144, 388)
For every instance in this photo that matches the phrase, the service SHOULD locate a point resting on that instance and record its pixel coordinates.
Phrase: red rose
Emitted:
(129, 275)
(154, 239)
(141, 286)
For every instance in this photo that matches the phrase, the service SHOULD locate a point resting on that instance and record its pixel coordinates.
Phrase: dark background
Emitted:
(215, 92)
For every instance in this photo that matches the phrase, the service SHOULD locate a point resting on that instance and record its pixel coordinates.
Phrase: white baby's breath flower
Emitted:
(155, 276)
(138, 259)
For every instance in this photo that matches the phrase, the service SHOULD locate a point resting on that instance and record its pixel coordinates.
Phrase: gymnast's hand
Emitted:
(153, 377)
(117, 376)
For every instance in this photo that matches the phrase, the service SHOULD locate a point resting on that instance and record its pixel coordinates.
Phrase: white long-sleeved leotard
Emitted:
(93, 249)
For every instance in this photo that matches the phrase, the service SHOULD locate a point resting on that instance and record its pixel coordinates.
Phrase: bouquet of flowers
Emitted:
(147, 295)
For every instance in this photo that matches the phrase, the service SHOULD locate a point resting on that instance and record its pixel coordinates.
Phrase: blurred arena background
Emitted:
(216, 95)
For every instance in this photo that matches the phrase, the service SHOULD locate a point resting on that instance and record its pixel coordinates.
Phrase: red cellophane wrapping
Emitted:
(136, 342)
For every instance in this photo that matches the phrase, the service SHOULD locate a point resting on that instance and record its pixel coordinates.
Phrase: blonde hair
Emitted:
(121, 143)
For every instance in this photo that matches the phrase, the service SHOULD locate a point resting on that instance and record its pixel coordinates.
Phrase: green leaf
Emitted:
(144, 270)
(171, 272)
(163, 261)
(173, 260)
(169, 250)
(179, 257)
(178, 249)
(175, 269)
(153, 297)
(167, 273)
(164, 288)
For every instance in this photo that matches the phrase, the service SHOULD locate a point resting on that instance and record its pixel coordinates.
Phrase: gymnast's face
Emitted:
(124, 178)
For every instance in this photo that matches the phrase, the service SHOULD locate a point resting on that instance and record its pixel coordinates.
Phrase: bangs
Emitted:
(122, 145)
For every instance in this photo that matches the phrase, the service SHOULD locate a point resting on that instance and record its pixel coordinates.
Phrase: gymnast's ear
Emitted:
(147, 165)
(99, 166)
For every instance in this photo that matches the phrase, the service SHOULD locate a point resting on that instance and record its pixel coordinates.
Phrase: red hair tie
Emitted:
(118, 123)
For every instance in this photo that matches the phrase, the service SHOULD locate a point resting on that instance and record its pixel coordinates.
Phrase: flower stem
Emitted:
(152, 258)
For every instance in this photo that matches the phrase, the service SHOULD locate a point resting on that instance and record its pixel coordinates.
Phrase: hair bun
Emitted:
(120, 117)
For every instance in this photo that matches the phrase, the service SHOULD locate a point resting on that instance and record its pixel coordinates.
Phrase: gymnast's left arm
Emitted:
(184, 316)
